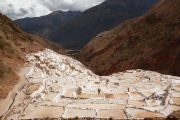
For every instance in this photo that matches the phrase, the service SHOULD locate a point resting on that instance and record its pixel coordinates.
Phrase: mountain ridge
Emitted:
(43, 25)
(149, 42)
(89, 23)
(97, 19)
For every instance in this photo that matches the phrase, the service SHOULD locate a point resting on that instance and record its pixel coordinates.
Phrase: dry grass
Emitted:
(8, 78)
(14, 44)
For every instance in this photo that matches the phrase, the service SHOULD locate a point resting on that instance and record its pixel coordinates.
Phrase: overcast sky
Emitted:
(16, 9)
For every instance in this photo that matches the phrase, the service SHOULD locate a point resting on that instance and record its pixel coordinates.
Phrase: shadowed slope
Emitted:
(44, 25)
(150, 42)
(102, 17)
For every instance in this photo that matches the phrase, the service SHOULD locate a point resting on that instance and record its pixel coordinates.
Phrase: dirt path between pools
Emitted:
(6, 104)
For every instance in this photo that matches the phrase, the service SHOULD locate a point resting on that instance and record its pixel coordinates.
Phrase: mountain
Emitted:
(42, 26)
(100, 18)
(150, 42)
(14, 45)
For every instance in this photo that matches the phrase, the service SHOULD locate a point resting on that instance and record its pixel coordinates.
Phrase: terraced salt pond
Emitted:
(61, 87)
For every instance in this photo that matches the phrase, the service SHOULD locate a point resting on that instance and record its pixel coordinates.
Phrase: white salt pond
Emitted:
(58, 86)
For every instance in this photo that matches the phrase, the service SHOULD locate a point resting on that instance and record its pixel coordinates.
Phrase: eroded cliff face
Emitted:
(58, 86)
(150, 42)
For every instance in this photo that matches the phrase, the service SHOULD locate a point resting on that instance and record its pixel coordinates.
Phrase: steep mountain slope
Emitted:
(14, 44)
(98, 19)
(150, 42)
(43, 25)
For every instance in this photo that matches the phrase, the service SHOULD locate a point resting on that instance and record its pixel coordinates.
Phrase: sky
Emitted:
(16, 9)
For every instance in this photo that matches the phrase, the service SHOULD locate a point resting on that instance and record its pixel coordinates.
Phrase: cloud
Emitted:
(16, 9)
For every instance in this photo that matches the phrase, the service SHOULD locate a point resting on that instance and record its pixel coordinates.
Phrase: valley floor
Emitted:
(58, 86)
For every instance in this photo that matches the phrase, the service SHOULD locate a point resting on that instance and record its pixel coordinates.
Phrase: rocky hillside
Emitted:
(150, 42)
(44, 25)
(100, 18)
(59, 87)
(14, 44)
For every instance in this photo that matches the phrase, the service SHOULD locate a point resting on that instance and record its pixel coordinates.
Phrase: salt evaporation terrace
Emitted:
(61, 87)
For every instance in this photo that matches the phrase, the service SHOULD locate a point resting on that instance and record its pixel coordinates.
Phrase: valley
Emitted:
(114, 60)
(74, 29)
